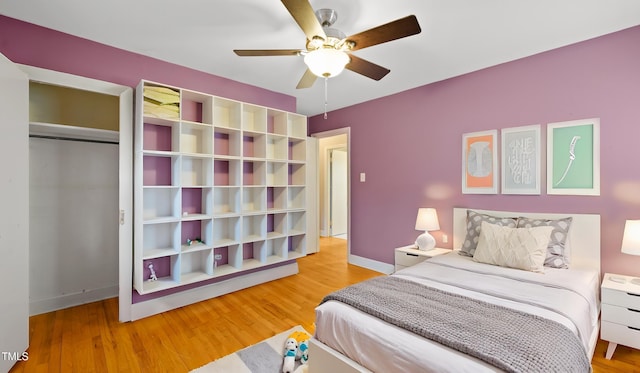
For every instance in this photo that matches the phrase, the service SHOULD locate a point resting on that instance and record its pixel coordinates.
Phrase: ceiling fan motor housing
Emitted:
(335, 38)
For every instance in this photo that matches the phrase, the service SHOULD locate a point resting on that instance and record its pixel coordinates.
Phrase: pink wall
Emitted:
(409, 144)
(28, 44)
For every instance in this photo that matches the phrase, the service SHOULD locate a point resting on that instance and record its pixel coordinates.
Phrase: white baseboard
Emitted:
(37, 307)
(183, 298)
(373, 265)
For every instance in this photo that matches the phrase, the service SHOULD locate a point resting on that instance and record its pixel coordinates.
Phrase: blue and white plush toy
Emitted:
(296, 347)
(290, 350)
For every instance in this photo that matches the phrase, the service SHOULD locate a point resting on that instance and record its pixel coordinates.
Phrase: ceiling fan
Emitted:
(328, 50)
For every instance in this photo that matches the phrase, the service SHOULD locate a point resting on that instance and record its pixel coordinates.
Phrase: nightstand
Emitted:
(409, 255)
(620, 313)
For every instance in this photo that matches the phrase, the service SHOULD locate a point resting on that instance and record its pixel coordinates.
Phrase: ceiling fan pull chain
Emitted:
(326, 84)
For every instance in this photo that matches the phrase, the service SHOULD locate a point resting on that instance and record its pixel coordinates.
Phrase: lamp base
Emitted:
(425, 242)
(635, 281)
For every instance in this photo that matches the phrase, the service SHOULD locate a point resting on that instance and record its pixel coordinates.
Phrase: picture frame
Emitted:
(521, 165)
(573, 157)
(480, 162)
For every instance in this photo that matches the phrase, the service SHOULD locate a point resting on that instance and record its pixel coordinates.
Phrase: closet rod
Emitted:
(74, 139)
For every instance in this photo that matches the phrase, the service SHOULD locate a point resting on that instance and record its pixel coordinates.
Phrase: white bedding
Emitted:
(567, 296)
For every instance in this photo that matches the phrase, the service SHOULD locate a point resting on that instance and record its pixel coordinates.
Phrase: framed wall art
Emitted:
(480, 162)
(573, 157)
(521, 160)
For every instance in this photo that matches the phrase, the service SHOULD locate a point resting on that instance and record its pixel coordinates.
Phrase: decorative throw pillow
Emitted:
(474, 221)
(558, 255)
(521, 248)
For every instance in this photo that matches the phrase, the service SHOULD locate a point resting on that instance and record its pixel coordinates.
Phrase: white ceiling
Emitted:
(458, 36)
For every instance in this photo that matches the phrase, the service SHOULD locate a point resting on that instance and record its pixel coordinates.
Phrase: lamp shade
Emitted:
(427, 220)
(631, 238)
(326, 62)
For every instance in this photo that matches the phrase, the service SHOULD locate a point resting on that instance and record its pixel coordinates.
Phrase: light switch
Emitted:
(362, 177)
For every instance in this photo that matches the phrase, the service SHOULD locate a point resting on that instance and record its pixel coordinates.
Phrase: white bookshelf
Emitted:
(219, 187)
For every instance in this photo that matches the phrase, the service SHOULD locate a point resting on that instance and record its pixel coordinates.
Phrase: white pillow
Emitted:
(521, 248)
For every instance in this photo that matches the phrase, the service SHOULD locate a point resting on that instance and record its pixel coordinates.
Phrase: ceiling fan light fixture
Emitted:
(326, 62)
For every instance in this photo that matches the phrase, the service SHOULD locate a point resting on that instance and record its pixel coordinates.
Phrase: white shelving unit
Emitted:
(219, 187)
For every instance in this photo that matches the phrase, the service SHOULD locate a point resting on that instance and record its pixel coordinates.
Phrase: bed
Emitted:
(349, 338)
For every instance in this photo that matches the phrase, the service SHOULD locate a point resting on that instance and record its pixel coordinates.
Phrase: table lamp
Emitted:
(426, 221)
(631, 241)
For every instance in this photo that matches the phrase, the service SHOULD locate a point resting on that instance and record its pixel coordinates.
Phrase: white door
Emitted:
(338, 193)
(14, 219)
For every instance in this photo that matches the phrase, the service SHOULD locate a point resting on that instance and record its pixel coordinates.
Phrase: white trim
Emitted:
(70, 300)
(373, 265)
(331, 133)
(186, 297)
(125, 166)
(38, 74)
(73, 132)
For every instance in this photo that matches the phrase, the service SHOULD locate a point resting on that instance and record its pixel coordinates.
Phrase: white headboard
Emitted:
(584, 234)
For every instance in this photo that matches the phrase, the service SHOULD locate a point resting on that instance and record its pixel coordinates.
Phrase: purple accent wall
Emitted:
(33, 45)
(157, 137)
(191, 230)
(192, 201)
(409, 144)
(247, 146)
(221, 143)
(156, 171)
(221, 172)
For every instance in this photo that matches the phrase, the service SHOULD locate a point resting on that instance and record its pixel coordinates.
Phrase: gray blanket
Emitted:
(508, 339)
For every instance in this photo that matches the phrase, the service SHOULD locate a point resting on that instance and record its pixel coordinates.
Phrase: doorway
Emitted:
(338, 192)
(334, 183)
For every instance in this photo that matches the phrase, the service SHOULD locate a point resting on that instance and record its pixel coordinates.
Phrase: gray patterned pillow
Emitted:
(557, 251)
(474, 223)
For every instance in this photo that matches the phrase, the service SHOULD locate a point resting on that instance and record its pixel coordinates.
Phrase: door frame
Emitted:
(125, 195)
(332, 133)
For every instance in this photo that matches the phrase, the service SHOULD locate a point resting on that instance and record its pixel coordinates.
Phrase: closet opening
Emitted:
(73, 196)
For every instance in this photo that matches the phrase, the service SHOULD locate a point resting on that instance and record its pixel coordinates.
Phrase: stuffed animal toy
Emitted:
(296, 347)
(290, 350)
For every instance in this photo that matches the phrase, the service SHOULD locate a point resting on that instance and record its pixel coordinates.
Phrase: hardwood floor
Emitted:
(89, 338)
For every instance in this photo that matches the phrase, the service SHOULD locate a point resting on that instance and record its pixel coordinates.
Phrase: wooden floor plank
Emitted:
(89, 338)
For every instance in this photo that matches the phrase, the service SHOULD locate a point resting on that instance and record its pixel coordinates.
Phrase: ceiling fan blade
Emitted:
(307, 80)
(306, 18)
(366, 68)
(397, 29)
(266, 52)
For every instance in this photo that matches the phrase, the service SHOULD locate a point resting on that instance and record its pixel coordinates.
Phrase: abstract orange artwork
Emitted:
(479, 163)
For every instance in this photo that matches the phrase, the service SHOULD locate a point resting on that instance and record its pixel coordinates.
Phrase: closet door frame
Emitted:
(125, 189)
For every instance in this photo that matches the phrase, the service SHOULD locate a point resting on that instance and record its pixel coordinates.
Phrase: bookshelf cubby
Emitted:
(219, 187)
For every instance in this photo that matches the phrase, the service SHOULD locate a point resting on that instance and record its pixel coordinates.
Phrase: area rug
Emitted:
(263, 357)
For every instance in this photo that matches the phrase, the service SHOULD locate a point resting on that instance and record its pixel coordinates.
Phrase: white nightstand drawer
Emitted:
(408, 259)
(621, 298)
(620, 334)
(621, 315)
